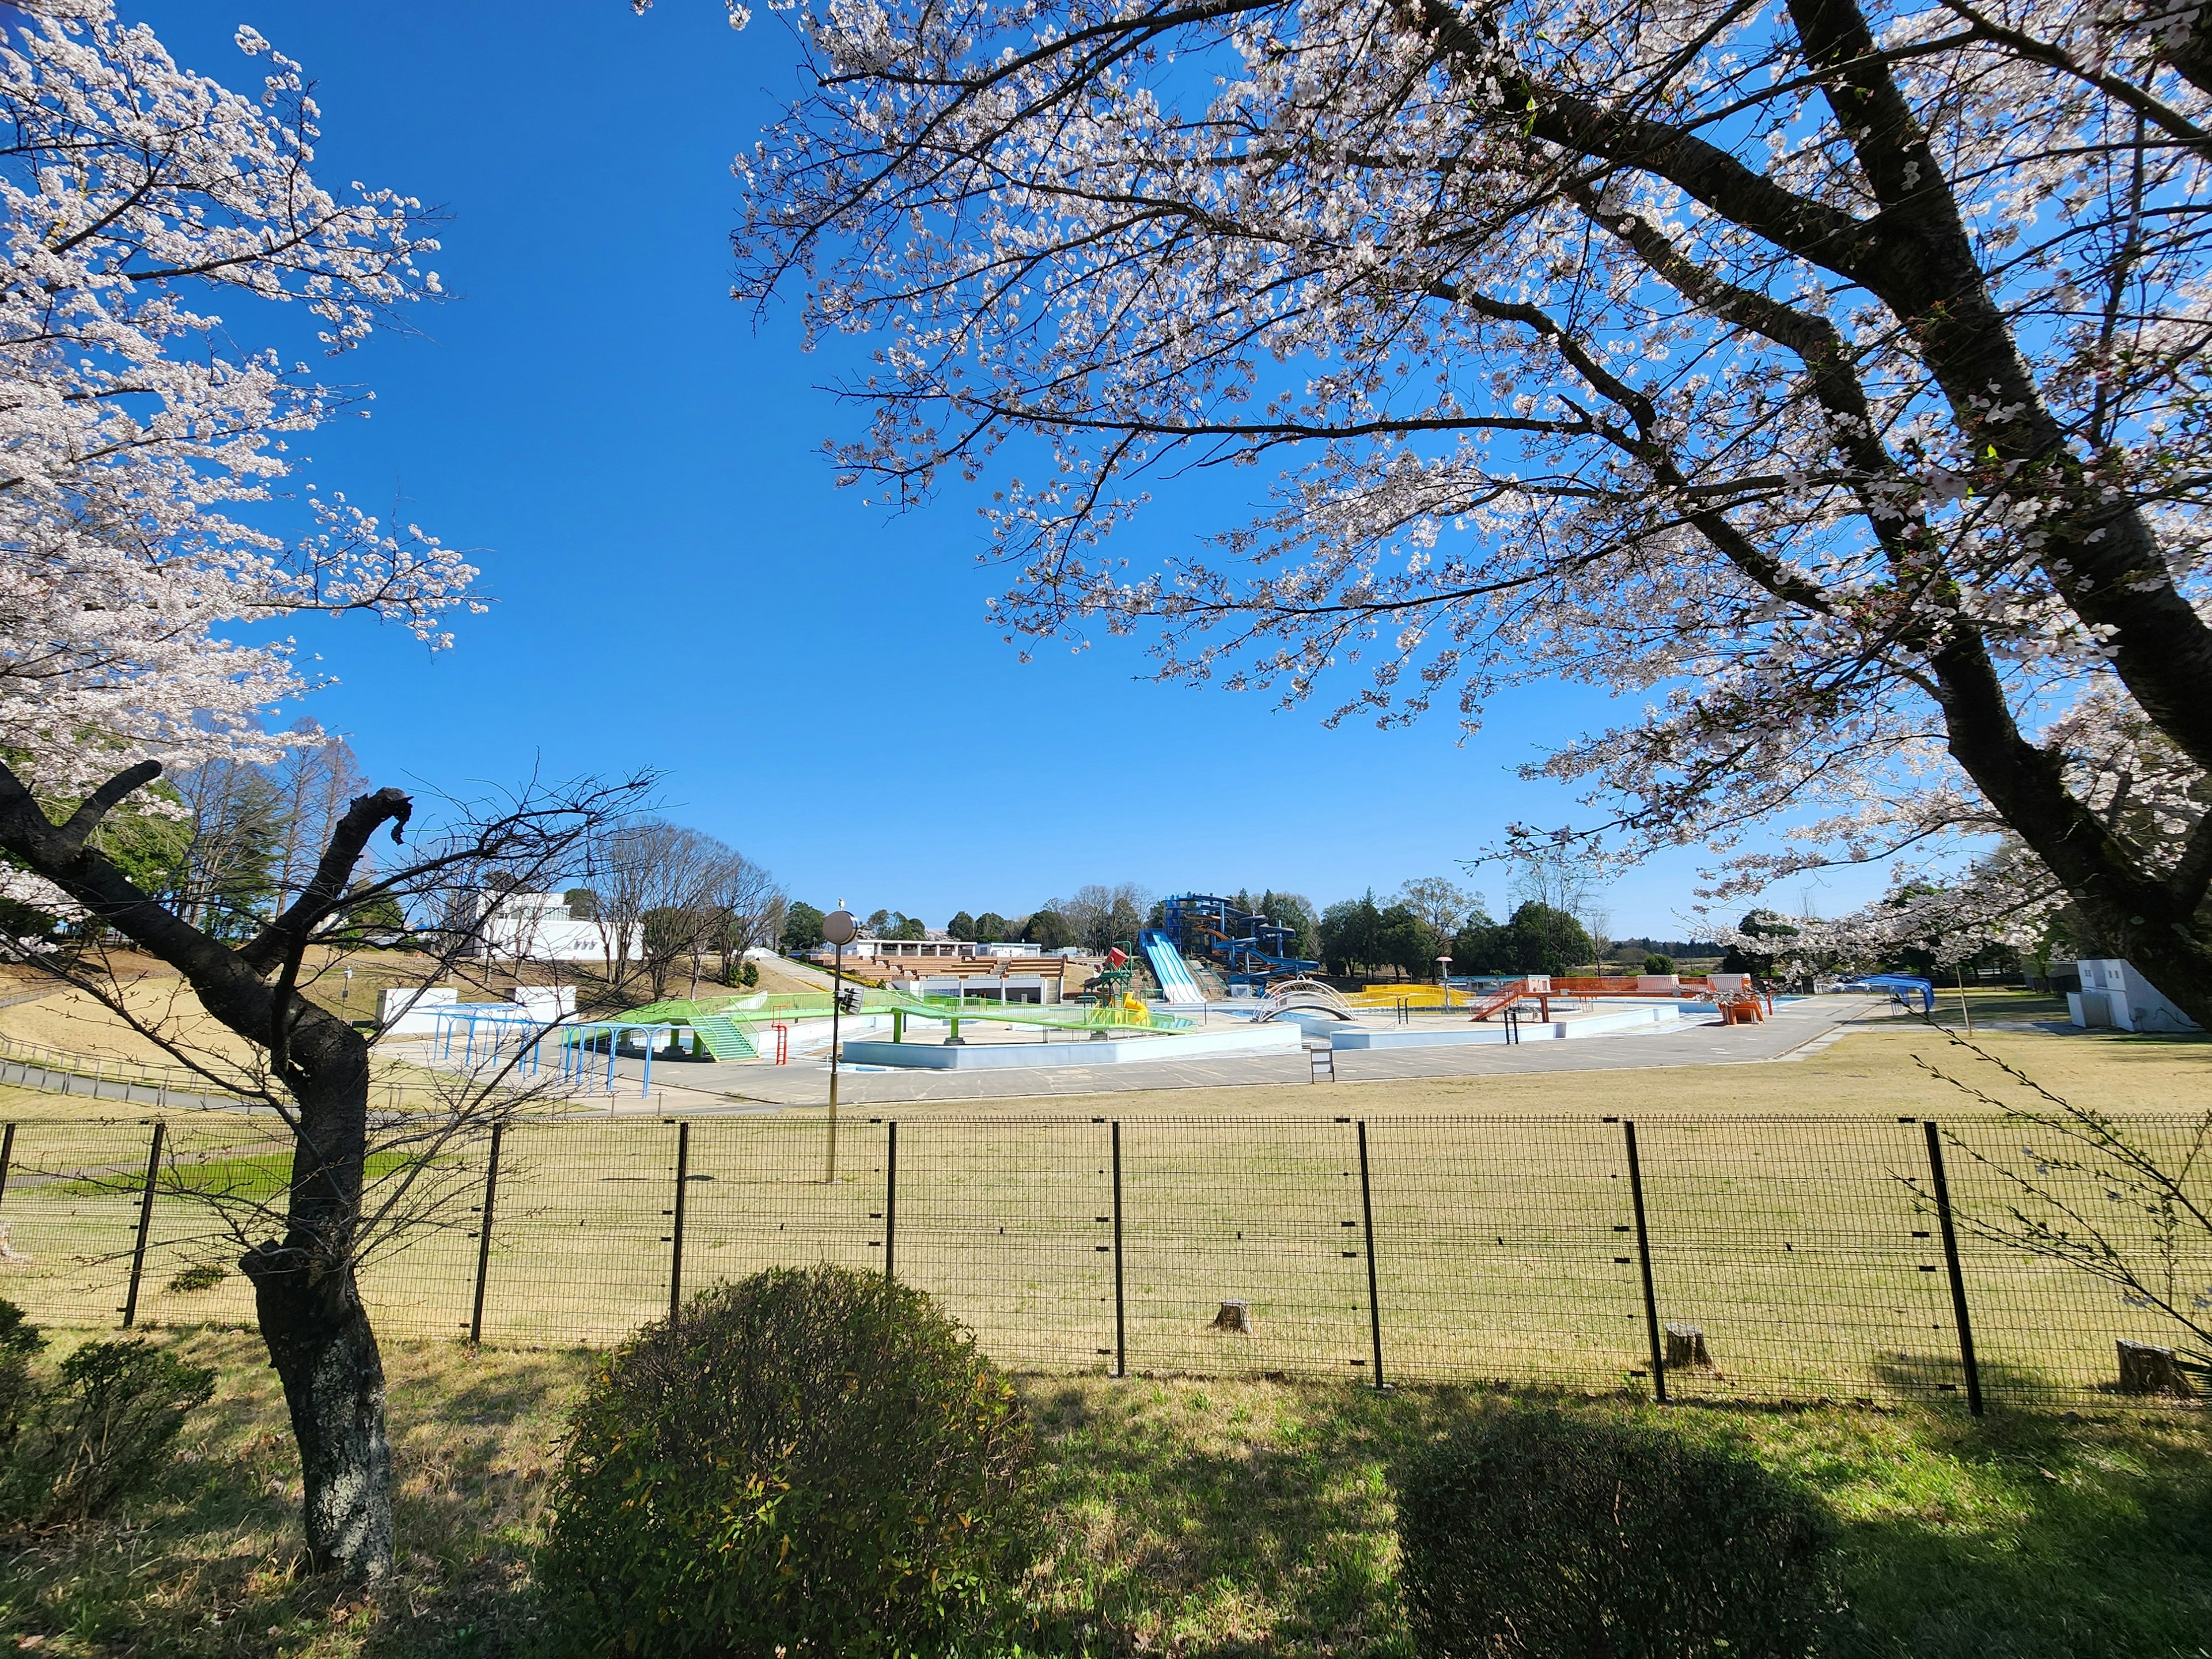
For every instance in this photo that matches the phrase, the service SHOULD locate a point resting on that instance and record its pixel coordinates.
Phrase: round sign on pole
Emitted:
(838, 927)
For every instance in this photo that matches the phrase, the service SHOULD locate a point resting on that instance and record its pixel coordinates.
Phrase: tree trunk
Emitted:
(325, 1354)
(311, 1315)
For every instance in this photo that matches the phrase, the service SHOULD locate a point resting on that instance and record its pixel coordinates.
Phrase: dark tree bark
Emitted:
(309, 1304)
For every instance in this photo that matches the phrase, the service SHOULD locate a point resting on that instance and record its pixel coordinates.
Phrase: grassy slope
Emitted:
(1194, 1518)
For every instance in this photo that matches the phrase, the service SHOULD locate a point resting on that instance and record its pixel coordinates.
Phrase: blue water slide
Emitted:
(1167, 966)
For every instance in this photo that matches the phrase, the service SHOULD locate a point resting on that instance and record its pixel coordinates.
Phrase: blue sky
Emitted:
(679, 584)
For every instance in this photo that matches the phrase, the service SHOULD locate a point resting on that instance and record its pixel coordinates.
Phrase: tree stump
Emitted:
(1234, 1316)
(1686, 1349)
(2146, 1368)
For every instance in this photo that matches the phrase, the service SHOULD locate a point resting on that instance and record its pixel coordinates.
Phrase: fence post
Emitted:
(891, 1200)
(1120, 1324)
(1644, 1254)
(1367, 1226)
(483, 1238)
(145, 1224)
(1958, 1279)
(7, 1158)
(676, 1233)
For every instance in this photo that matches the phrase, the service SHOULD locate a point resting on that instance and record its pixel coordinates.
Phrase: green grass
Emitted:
(1204, 1519)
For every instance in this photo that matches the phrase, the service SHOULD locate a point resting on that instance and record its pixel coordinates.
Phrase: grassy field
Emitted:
(1204, 1520)
(1785, 1205)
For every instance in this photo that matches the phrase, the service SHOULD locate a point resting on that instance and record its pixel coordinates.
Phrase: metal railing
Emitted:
(59, 1071)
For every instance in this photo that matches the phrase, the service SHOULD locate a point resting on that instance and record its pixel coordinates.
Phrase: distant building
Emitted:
(935, 943)
(940, 965)
(538, 928)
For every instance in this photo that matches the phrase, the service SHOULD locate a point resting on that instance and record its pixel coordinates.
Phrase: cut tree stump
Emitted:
(2145, 1368)
(1686, 1349)
(1234, 1316)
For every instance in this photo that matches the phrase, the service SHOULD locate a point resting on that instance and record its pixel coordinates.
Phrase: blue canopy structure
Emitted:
(1901, 986)
(505, 1022)
(579, 1040)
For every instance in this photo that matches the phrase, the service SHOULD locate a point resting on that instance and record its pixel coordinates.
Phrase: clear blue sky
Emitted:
(678, 583)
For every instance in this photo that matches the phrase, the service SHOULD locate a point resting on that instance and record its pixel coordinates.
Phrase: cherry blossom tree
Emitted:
(1824, 379)
(311, 1066)
(152, 217)
(150, 213)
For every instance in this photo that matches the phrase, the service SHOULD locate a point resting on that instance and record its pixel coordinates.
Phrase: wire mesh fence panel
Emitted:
(1794, 1250)
(1505, 1249)
(1261, 1214)
(2072, 1240)
(581, 1234)
(70, 1212)
(761, 1194)
(222, 1179)
(1794, 1257)
(1008, 1223)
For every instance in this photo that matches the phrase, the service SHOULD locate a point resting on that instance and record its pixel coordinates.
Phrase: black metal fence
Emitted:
(1722, 1257)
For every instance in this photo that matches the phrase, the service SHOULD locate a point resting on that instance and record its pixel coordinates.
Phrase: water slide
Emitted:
(1167, 966)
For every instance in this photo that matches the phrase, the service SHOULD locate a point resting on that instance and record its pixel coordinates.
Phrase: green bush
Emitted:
(1657, 962)
(19, 1341)
(199, 1276)
(1539, 1532)
(806, 1463)
(104, 1430)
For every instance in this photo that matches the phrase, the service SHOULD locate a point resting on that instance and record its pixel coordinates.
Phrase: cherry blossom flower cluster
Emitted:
(1824, 379)
(148, 213)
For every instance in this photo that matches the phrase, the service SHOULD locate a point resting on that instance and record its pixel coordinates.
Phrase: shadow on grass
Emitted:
(2031, 1536)
(1211, 1520)
(1219, 1521)
(209, 1563)
(1224, 1519)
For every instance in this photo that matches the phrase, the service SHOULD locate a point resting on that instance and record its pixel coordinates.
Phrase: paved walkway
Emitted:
(1798, 1028)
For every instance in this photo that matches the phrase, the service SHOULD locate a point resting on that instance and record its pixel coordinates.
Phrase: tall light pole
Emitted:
(839, 929)
(1443, 979)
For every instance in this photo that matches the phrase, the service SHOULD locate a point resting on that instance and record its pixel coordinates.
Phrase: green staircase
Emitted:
(725, 1038)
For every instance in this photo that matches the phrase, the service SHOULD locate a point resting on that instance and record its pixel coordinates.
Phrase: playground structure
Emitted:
(1737, 999)
(1242, 947)
(1290, 997)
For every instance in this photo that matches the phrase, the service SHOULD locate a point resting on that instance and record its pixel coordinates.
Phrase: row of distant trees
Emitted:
(668, 899)
(1556, 925)
(1093, 919)
(230, 842)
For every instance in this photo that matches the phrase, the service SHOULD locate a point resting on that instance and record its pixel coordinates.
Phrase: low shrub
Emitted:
(1532, 1532)
(806, 1463)
(103, 1430)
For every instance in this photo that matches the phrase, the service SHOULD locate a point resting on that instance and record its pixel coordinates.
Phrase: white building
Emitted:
(539, 927)
(936, 943)
(2113, 993)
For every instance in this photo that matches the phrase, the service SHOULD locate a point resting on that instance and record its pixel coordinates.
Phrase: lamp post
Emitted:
(1443, 979)
(839, 929)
